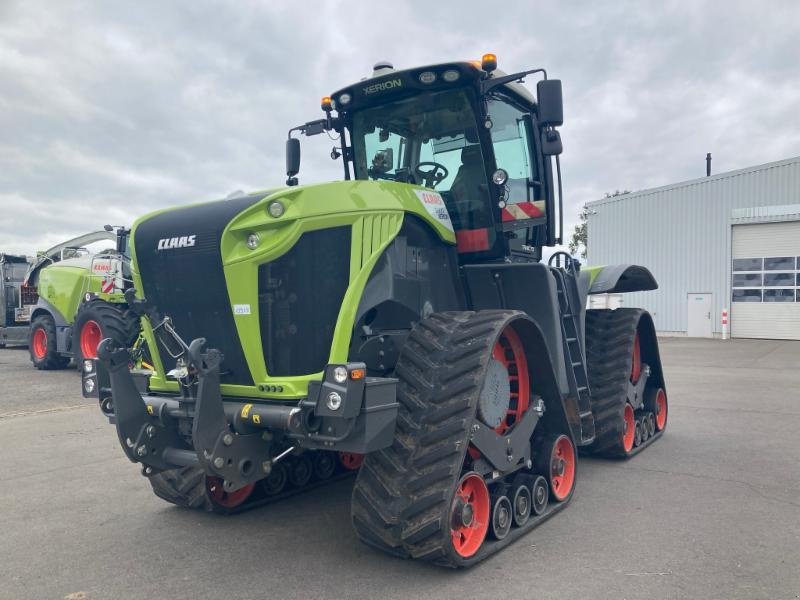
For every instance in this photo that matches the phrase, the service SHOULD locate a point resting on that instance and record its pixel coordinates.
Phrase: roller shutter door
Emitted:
(765, 281)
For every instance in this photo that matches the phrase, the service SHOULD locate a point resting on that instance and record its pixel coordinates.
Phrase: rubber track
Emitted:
(401, 499)
(609, 352)
(185, 487)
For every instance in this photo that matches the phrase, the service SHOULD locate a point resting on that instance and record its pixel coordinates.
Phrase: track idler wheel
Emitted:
(502, 516)
(629, 428)
(300, 471)
(223, 499)
(637, 435)
(275, 482)
(521, 499)
(661, 409)
(469, 515)
(324, 464)
(540, 492)
(557, 461)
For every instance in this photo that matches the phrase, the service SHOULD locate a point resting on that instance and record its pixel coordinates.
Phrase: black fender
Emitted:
(648, 344)
(622, 278)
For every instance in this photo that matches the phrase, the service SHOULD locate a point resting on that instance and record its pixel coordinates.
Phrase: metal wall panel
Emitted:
(682, 233)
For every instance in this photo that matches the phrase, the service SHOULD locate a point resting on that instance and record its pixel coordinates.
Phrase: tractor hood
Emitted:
(260, 271)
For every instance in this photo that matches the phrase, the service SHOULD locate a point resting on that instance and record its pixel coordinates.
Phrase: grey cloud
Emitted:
(109, 110)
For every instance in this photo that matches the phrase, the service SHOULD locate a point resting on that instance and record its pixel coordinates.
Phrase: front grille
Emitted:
(299, 298)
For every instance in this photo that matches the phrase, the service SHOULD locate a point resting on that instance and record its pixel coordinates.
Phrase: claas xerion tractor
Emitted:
(401, 323)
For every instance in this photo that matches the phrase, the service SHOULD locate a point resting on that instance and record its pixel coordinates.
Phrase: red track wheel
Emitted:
(557, 461)
(351, 461)
(469, 515)
(90, 338)
(661, 409)
(220, 497)
(510, 352)
(39, 343)
(629, 428)
(636, 360)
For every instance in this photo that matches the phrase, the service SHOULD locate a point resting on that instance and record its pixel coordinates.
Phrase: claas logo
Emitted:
(184, 241)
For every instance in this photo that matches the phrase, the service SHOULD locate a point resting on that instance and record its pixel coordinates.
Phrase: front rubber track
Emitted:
(610, 338)
(402, 496)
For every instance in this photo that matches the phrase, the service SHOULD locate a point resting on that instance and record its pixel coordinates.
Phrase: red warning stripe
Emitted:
(520, 210)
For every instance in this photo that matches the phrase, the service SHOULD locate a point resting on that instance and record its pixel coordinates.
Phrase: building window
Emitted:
(747, 264)
(781, 263)
(747, 280)
(778, 279)
(779, 295)
(750, 295)
(768, 279)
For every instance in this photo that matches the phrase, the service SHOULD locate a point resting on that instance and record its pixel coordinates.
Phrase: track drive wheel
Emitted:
(406, 498)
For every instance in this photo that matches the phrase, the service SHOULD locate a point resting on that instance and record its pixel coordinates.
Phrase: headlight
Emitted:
(88, 366)
(88, 385)
(252, 241)
(275, 209)
(334, 401)
(340, 374)
(500, 177)
(451, 75)
(344, 99)
(427, 77)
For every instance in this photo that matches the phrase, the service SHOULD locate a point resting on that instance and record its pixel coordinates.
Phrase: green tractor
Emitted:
(401, 323)
(74, 298)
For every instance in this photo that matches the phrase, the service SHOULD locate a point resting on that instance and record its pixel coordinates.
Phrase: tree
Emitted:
(580, 233)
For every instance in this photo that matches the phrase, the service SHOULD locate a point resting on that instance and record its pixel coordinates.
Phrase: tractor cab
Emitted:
(472, 134)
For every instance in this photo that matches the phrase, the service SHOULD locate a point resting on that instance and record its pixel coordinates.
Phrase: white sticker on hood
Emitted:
(241, 309)
(434, 204)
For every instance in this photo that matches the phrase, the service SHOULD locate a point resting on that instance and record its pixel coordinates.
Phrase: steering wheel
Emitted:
(433, 176)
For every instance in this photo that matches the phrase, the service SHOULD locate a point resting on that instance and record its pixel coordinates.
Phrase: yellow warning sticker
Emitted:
(150, 409)
(246, 410)
(256, 418)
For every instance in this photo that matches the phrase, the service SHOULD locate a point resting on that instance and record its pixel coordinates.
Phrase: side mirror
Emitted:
(551, 143)
(292, 160)
(551, 106)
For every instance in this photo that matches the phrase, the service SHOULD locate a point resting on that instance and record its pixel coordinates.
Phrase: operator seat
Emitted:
(469, 185)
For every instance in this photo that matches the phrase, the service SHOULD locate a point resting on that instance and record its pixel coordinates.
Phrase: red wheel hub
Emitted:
(509, 351)
(661, 409)
(630, 428)
(220, 497)
(351, 460)
(562, 467)
(636, 360)
(39, 343)
(91, 336)
(469, 515)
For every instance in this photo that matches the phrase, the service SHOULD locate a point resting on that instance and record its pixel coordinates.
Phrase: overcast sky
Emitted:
(109, 109)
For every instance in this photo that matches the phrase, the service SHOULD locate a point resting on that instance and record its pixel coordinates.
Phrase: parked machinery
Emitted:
(401, 323)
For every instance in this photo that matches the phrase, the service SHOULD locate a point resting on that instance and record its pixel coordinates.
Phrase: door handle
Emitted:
(708, 316)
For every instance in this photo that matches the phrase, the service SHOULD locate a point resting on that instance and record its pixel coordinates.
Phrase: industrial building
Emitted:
(728, 241)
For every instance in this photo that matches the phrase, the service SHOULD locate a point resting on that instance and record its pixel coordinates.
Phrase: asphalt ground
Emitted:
(712, 510)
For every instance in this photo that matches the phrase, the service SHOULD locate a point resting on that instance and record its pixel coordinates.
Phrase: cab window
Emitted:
(524, 195)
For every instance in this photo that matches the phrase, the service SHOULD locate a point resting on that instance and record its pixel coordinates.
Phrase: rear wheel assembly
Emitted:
(432, 495)
(623, 385)
(42, 345)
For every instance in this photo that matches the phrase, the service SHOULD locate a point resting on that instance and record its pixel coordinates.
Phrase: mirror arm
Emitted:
(489, 84)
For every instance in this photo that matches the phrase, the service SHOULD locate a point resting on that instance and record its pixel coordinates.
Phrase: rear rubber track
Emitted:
(610, 338)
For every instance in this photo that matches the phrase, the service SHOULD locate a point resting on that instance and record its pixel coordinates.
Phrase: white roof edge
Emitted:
(718, 177)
